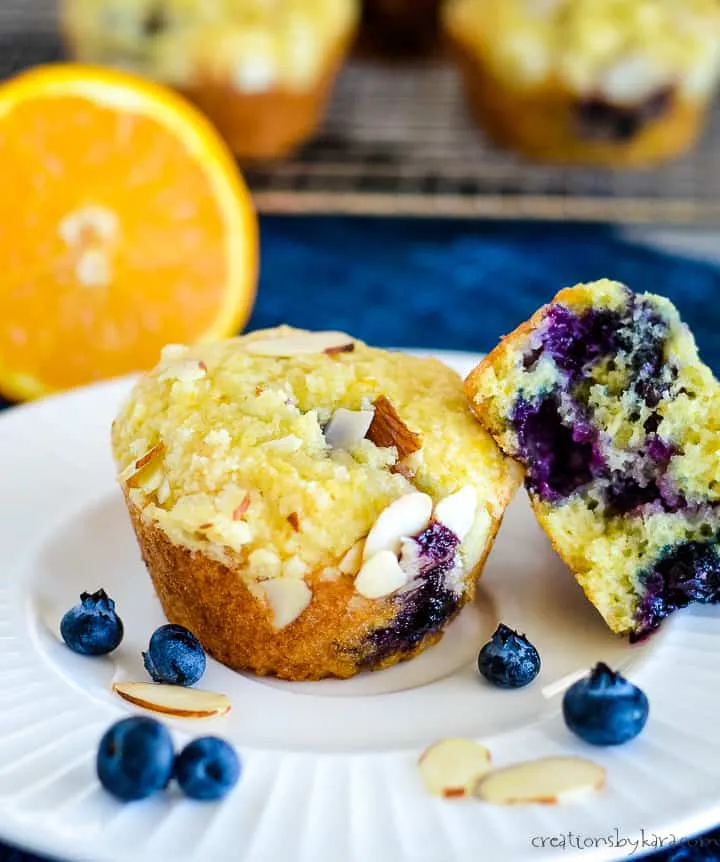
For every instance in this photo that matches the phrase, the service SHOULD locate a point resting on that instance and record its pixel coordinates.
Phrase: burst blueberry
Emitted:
(92, 627)
(135, 758)
(604, 708)
(509, 660)
(207, 768)
(175, 656)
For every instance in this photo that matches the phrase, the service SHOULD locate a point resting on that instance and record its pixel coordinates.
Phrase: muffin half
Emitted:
(307, 505)
(621, 83)
(263, 72)
(603, 399)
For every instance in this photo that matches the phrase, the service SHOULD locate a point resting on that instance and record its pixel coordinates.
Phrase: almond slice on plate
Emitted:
(287, 597)
(347, 428)
(174, 700)
(299, 344)
(457, 512)
(380, 576)
(407, 516)
(547, 781)
(387, 429)
(453, 767)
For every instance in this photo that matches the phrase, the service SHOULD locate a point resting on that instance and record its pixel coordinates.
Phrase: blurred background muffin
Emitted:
(400, 28)
(262, 71)
(614, 82)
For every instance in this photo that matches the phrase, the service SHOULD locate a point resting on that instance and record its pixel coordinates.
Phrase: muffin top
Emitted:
(624, 50)
(254, 45)
(278, 451)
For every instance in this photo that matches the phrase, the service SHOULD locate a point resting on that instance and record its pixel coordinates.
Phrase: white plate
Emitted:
(329, 767)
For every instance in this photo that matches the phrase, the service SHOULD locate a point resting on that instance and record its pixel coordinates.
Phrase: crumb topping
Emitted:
(242, 469)
(623, 49)
(254, 45)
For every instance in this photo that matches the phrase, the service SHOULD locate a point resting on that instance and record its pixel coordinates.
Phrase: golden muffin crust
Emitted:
(267, 466)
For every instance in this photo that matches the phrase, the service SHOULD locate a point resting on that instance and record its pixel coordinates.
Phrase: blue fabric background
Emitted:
(459, 286)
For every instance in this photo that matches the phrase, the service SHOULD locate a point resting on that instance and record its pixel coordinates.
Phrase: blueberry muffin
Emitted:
(400, 28)
(263, 72)
(622, 83)
(602, 398)
(307, 505)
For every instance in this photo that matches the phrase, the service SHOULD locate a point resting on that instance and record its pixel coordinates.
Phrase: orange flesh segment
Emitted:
(122, 229)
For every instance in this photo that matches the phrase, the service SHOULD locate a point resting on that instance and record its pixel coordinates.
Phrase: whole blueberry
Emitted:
(175, 655)
(135, 758)
(604, 708)
(92, 627)
(508, 660)
(207, 768)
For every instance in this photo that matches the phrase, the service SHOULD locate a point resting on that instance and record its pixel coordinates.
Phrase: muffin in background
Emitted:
(609, 82)
(398, 29)
(307, 505)
(263, 72)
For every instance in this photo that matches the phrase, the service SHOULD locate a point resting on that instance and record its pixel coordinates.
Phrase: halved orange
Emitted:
(125, 225)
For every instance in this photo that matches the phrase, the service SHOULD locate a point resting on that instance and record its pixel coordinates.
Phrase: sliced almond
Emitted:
(347, 428)
(406, 516)
(175, 700)
(299, 344)
(388, 429)
(352, 560)
(409, 466)
(380, 576)
(141, 473)
(457, 512)
(344, 348)
(157, 450)
(242, 508)
(548, 781)
(289, 443)
(453, 767)
(187, 371)
(288, 598)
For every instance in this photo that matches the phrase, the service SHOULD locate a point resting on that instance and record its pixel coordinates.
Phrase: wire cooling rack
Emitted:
(397, 140)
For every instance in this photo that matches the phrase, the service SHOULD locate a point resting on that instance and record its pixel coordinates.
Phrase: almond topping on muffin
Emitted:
(380, 576)
(388, 429)
(405, 516)
(347, 428)
(457, 512)
(288, 598)
(299, 344)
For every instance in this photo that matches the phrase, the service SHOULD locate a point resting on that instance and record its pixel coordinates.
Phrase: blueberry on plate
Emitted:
(175, 656)
(92, 627)
(604, 708)
(207, 768)
(508, 660)
(135, 758)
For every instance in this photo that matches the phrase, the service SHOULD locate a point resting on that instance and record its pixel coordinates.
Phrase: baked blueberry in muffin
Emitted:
(603, 399)
(307, 505)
